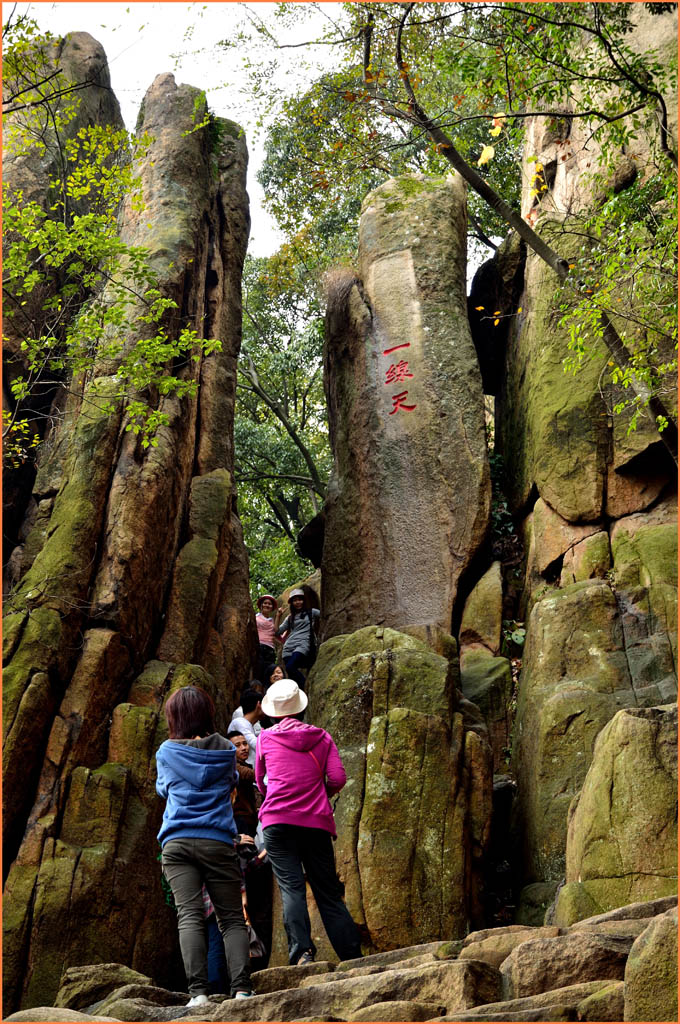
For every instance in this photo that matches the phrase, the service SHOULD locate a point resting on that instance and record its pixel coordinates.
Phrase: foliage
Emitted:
(77, 297)
(281, 434)
(329, 147)
(514, 633)
(627, 263)
(274, 564)
(503, 537)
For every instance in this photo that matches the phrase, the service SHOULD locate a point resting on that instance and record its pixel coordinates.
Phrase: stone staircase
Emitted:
(618, 966)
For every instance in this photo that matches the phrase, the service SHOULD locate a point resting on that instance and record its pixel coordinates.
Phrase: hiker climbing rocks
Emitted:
(196, 771)
(266, 620)
(301, 624)
(303, 770)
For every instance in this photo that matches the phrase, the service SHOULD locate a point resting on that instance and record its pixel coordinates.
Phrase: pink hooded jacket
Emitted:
(303, 769)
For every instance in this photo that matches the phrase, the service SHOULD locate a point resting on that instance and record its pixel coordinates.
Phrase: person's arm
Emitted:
(245, 773)
(161, 779)
(249, 733)
(316, 620)
(260, 769)
(336, 776)
(283, 627)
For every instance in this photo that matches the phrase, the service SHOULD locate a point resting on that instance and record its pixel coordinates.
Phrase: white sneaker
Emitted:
(198, 1001)
(244, 995)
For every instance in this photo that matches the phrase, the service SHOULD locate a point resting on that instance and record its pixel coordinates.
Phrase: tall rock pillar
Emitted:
(133, 583)
(408, 501)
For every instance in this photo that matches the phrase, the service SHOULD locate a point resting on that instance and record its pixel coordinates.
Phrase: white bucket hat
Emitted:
(284, 698)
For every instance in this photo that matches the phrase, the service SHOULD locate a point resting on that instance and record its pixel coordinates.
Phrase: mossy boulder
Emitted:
(589, 559)
(418, 789)
(605, 1004)
(133, 740)
(645, 559)
(409, 800)
(622, 832)
(190, 596)
(31, 693)
(554, 535)
(552, 424)
(554, 428)
(82, 986)
(534, 901)
(575, 677)
(651, 978)
(439, 641)
(63, 568)
(210, 504)
(487, 682)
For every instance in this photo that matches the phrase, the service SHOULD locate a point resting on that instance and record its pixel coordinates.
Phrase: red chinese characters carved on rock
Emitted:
(397, 374)
(399, 403)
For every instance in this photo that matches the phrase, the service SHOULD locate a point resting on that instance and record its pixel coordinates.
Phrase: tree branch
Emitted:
(276, 408)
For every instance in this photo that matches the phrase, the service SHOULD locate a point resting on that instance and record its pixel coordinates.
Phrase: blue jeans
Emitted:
(218, 976)
(187, 864)
(292, 848)
(294, 662)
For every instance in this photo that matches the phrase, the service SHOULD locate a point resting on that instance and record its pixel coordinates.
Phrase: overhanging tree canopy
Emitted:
(414, 72)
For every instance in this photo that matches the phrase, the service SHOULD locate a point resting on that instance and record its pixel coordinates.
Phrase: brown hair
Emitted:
(190, 712)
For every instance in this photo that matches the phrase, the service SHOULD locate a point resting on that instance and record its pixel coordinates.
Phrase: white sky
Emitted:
(142, 40)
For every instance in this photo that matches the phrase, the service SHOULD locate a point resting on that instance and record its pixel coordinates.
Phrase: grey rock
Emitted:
(81, 986)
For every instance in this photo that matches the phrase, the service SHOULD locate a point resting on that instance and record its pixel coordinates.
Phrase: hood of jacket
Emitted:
(202, 763)
(295, 735)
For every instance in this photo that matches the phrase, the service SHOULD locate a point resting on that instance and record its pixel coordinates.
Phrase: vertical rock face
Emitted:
(593, 648)
(556, 430)
(136, 584)
(81, 62)
(408, 501)
(598, 508)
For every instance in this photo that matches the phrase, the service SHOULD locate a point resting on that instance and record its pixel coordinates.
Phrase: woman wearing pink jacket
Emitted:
(303, 769)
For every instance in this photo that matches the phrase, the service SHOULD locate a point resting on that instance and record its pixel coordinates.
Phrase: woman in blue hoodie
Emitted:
(196, 772)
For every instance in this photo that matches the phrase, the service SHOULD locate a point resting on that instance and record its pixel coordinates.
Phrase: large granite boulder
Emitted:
(548, 963)
(553, 427)
(408, 499)
(574, 678)
(487, 682)
(482, 621)
(136, 584)
(622, 837)
(413, 819)
(651, 977)
(644, 553)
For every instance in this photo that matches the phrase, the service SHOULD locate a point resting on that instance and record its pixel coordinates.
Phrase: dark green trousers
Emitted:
(187, 865)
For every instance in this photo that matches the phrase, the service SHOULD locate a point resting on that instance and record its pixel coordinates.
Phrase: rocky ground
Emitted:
(619, 966)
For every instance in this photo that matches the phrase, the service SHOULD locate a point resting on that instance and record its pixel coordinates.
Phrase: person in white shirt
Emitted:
(251, 713)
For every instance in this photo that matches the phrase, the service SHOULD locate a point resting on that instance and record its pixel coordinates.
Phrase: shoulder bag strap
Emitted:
(317, 763)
